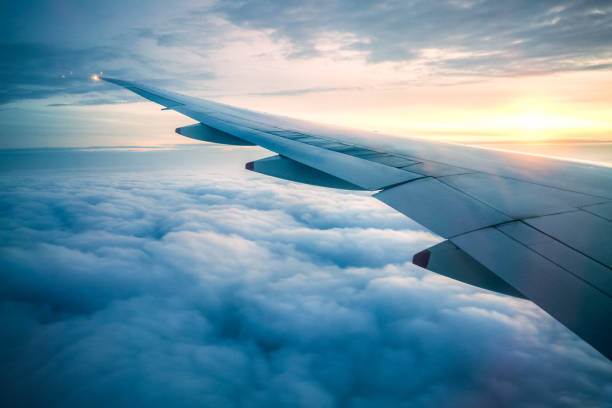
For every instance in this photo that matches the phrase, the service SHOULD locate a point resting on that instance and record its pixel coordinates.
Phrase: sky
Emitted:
(141, 269)
(458, 70)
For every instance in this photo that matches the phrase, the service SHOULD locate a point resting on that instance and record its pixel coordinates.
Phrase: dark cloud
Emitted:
(52, 49)
(499, 38)
(44, 40)
(34, 70)
(187, 288)
(38, 70)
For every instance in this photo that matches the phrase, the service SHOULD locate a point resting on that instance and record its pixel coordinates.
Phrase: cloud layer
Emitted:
(188, 289)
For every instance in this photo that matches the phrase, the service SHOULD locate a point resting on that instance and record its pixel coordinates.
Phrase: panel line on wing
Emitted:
(509, 221)
(426, 201)
(568, 299)
(604, 199)
(440, 179)
(600, 214)
(525, 220)
(539, 229)
(555, 262)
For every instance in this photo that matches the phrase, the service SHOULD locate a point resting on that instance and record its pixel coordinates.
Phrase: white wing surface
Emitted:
(518, 224)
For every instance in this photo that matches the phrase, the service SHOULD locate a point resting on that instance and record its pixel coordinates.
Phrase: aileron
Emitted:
(440, 208)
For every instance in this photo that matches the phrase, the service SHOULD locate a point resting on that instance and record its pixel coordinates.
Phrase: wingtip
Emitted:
(107, 79)
(115, 81)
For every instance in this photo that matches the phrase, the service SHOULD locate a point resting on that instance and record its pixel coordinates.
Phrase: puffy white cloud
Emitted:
(186, 289)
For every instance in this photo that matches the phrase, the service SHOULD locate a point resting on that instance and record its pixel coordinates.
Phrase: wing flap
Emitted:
(603, 210)
(447, 259)
(287, 169)
(583, 231)
(442, 209)
(574, 302)
(200, 131)
(567, 258)
(518, 199)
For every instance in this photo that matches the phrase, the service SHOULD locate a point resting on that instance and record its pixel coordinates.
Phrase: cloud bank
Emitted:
(190, 289)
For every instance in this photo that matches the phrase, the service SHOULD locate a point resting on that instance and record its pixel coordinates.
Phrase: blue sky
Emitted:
(139, 268)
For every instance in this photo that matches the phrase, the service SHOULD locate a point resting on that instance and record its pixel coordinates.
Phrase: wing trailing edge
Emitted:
(200, 131)
(287, 169)
(449, 260)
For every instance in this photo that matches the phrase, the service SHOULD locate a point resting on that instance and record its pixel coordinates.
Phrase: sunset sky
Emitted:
(468, 71)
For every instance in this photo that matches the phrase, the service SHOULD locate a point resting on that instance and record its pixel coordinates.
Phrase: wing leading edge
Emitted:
(516, 224)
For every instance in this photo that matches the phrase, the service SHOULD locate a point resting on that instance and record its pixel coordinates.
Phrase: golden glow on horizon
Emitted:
(533, 121)
(95, 77)
(555, 107)
(464, 126)
(567, 106)
(509, 125)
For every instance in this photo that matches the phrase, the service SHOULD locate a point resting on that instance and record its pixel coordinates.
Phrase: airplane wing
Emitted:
(518, 224)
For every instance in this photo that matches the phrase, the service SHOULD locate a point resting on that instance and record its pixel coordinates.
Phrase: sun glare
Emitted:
(536, 122)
